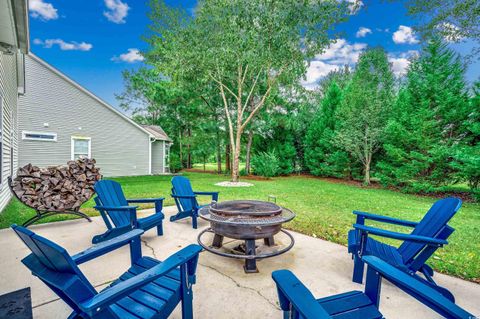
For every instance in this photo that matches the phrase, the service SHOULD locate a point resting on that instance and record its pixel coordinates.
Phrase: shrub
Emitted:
(266, 164)
(175, 164)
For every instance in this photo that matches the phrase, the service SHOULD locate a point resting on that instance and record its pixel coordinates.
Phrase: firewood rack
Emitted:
(40, 214)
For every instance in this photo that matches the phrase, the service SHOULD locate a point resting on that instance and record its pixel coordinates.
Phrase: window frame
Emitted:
(25, 133)
(72, 148)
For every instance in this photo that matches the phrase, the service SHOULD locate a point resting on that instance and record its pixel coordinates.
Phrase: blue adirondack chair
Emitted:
(114, 209)
(427, 236)
(297, 301)
(186, 199)
(149, 289)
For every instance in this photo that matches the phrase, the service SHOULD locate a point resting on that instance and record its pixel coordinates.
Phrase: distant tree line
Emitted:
(220, 103)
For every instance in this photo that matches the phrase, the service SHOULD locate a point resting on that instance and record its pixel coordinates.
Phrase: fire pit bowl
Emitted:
(246, 220)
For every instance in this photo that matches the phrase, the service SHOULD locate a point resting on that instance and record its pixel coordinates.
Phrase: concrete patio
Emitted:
(223, 290)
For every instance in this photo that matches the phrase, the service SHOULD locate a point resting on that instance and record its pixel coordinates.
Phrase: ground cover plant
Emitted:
(323, 208)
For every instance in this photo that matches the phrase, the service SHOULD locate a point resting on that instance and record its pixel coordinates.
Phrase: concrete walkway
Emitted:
(223, 290)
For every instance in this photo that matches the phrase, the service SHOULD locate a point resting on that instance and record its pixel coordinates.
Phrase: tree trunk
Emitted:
(219, 154)
(228, 167)
(189, 152)
(247, 156)
(367, 172)
(180, 148)
(236, 157)
(204, 161)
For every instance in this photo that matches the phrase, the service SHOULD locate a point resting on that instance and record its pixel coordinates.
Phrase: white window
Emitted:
(39, 136)
(81, 147)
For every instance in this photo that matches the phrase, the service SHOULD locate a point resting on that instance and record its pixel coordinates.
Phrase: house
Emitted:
(59, 120)
(14, 45)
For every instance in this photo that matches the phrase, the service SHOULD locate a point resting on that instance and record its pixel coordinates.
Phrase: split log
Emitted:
(56, 188)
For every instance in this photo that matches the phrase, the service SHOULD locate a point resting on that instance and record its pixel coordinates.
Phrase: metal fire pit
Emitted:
(246, 220)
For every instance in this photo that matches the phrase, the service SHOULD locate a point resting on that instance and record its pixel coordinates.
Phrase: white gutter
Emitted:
(150, 156)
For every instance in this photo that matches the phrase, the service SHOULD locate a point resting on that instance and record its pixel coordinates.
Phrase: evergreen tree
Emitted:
(467, 157)
(429, 122)
(365, 108)
(322, 155)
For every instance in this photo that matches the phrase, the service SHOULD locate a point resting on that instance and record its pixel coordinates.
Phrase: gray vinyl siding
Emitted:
(119, 146)
(9, 97)
(157, 157)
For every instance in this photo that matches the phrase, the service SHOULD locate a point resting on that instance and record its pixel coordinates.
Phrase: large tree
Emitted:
(365, 108)
(454, 20)
(428, 126)
(248, 49)
(323, 156)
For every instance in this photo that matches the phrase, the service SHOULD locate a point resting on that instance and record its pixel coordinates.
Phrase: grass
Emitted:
(323, 210)
(212, 167)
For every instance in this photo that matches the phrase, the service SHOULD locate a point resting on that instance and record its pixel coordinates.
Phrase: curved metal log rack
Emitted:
(43, 214)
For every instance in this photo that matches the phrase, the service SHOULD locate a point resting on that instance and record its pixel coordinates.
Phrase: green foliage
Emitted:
(266, 164)
(454, 20)
(365, 108)
(175, 164)
(323, 157)
(428, 124)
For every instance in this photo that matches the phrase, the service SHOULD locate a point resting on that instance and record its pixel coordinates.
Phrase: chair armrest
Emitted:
(386, 219)
(292, 291)
(213, 194)
(124, 208)
(183, 196)
(146, 200)
(416, 288)
(400, 236)
(106, 246)
(124, 288)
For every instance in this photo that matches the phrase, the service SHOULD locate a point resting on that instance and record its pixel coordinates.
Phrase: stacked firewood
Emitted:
(57, 188)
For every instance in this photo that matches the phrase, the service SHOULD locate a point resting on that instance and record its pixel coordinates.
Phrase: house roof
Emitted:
(157, 132)
(14, 24)
(99, 100)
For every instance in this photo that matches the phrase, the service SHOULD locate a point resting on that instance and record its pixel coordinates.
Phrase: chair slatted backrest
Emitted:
(110, 194)
(181, 186)
(432, 224)
(53, 265)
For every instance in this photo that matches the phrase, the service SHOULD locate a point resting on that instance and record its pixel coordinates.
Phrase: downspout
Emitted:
(164, 161)
(150, 155)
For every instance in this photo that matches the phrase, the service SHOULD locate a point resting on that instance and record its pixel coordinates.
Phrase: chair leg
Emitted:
(160, 229)
(194, 221)
(187, 307)
(358, 266)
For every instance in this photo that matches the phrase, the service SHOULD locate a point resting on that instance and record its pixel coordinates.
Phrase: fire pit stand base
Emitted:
(250, 254)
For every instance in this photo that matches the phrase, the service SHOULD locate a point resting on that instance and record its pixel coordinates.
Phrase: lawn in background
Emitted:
(323, 208)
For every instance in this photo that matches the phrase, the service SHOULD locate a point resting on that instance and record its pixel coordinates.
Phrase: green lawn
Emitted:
(323, 210)
(213, 166)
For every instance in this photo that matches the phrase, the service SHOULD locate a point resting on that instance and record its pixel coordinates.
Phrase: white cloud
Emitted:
(117, 11)
(355, 5)
(316, 71)
(132, 56)
(341, 52)
(337, 55)
(400, 62)
(399, 65)
(404, 34)
(42, 10)
(362, 32)
(65, 46)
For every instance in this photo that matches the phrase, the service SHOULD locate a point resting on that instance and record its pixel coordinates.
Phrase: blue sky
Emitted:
(92, 41)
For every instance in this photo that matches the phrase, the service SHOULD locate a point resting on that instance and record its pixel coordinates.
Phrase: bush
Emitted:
(266, 164)
(175, 164)
(243, 172)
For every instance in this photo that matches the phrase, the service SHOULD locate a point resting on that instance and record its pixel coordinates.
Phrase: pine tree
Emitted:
(322, 156)
(428, 124)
